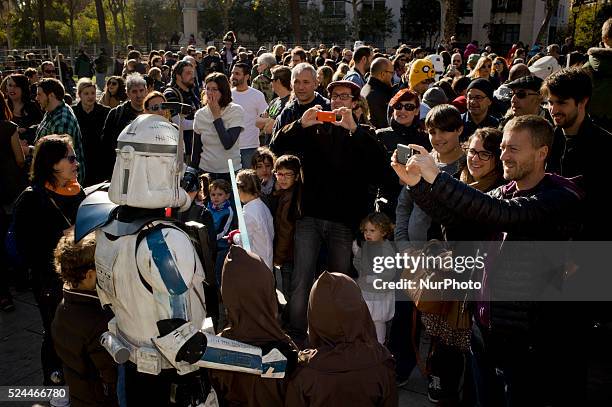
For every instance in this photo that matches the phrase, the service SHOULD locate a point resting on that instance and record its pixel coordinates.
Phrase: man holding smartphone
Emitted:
(340, 159)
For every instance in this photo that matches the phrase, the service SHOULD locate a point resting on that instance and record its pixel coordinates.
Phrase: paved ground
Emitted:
(21, 336)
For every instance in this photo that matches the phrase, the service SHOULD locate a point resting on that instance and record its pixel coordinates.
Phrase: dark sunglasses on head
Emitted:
(409, 107)
(71, 158)
(522, 94)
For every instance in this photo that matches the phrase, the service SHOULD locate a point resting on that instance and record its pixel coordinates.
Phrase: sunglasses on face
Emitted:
(409, 107)
(155, 108)
(522, 94)
(45, 71)
(71, 158)
(113, 84)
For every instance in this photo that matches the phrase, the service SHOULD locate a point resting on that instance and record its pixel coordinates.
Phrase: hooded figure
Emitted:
(346, 365)
(247, 287)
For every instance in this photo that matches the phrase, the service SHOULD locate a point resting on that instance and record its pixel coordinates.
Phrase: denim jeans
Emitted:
(101, 81)
(310, 233)
(246, 155)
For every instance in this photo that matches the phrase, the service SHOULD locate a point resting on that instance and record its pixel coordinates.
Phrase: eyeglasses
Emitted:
(287, 174)
(476, 98)
(343, 96)
(409, 107)
(71, 158)
(482, 155)
(522, 94)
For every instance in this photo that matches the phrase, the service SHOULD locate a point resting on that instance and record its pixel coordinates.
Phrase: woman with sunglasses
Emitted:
(500, 70)
(483, 70)
(114, 92)
(44, 213)
(153, 104)
(405, 130)
(91, 116)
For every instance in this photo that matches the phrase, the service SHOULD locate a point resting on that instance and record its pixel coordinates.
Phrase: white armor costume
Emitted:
(147, 268)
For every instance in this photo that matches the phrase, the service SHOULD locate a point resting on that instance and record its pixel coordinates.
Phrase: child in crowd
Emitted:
(224, 219)
(263, 162)
(376, 229)
(90, 372)
(259, 223)
(288, 172)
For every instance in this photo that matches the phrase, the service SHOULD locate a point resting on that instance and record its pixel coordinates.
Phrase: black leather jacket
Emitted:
(551, 211)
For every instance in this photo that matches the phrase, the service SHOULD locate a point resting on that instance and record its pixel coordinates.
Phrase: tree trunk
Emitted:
(102, 24)
(112, 6)
(450, 10)
(41, 23)
(355, 22)
(294, 10)
(551, 7)
(123, 23)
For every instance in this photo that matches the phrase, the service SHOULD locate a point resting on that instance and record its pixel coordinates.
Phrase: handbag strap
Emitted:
(60, 210)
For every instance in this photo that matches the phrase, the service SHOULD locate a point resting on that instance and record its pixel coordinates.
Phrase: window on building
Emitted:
(303, 6)
(506, 33)
(506, 6)
(466, 8)
(464, 33)
(334, 8)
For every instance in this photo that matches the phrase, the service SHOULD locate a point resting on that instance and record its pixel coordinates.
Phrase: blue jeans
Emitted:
(246, 155)
(310, 233)
(100, 81)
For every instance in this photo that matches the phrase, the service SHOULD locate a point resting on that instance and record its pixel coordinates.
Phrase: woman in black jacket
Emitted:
(91, 116)
(43, 213)
(405, 130)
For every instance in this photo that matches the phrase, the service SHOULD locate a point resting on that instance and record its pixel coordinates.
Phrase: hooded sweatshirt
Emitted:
(247, 287)
(346, 365)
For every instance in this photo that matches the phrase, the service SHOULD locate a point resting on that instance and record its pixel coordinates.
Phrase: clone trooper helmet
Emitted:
(438, 64)
(149, 165)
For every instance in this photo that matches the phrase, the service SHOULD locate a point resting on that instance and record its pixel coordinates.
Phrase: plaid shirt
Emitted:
(63, 121)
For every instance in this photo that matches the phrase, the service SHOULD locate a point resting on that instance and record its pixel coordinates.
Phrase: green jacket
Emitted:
(600, 68)
(263, 83)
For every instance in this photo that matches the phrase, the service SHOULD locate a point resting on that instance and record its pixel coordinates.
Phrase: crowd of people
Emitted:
(504, 147)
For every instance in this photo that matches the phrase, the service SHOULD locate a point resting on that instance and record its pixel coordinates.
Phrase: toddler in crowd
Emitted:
(376, 228)
(286, 204)
(224, 219)
(259, 223)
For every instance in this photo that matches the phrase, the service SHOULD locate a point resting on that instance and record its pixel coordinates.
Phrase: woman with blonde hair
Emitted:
(341, 72)
(483, 70)
(324, 75)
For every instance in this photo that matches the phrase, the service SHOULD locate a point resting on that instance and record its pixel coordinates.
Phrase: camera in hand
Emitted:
(326, 116)
(404, 153)
(190, 181)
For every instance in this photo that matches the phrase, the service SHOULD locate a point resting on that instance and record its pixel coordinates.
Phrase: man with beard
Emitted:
(568, 92)
(523, 337)
(181, 90)
(254, 104)
(362, 58)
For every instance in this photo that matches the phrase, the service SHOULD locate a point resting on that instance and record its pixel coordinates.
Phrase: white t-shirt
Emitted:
(260, 228)
(214, 156)
(253, 103)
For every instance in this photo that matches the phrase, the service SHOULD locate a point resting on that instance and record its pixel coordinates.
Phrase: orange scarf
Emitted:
(72, 188)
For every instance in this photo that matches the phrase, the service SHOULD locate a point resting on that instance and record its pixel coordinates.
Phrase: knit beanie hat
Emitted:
(434, 97)
(420, 70)
(482, 85)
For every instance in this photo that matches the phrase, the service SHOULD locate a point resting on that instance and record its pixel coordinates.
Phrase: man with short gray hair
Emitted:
(304, 82)
(263, 81)
(118, 118)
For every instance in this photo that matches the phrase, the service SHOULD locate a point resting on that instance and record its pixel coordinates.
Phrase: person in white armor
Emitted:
(149, 272)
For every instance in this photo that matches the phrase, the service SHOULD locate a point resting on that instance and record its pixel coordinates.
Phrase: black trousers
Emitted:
(48, 299)
(166, 389)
